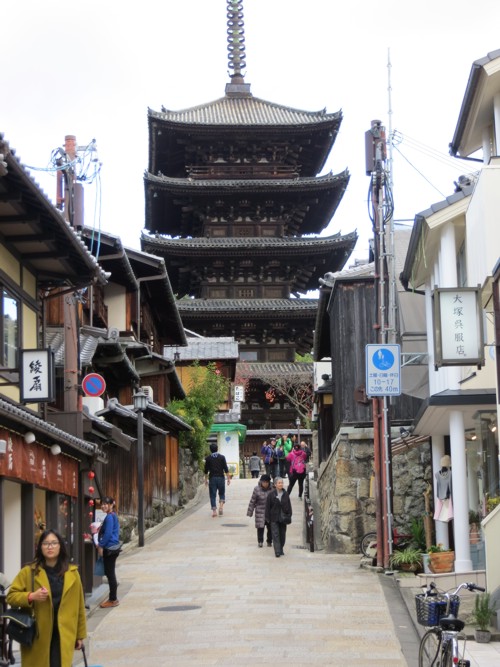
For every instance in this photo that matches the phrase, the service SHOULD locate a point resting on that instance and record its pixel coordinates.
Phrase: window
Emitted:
(248, 355)
(9, 329)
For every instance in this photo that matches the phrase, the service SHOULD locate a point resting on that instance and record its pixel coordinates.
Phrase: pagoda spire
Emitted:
(236, 49)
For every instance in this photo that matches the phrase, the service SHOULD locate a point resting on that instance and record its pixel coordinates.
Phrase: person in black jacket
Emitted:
(279, 515)
(215, 468)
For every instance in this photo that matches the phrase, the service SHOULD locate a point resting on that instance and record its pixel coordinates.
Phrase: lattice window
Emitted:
(246, 293)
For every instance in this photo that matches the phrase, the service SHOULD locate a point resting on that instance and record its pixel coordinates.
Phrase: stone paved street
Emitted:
(203, 593)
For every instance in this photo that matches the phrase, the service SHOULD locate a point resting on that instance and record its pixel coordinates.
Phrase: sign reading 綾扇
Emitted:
(458, 327)
(37, 376)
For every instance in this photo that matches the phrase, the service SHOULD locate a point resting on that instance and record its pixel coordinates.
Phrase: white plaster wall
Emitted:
(115, 298)
(12, 529)
(483, 226)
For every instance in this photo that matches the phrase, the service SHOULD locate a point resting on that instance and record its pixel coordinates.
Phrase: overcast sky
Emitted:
(93, 68)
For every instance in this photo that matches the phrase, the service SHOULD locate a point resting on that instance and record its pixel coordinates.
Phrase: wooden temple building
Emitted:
(235, 206)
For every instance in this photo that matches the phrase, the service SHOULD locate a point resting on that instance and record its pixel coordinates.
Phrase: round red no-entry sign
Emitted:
(93, 384)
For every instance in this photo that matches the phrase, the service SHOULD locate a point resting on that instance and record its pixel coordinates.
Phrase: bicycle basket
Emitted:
(431, 608)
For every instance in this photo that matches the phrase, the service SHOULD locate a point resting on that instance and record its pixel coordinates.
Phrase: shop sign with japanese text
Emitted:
(458, 327)
(37, 376)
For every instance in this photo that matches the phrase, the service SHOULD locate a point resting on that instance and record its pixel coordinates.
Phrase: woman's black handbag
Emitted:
(21, 626)
(113, 550)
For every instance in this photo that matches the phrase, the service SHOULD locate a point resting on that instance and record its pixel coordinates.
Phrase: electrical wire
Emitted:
(419, 172)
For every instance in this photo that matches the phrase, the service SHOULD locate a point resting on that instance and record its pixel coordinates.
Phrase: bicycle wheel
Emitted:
(428, 652)
(369, 545)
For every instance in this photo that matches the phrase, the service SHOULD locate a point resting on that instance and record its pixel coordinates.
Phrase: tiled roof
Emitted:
(205, 348)
(278, 368)
(32, 228)
(239, 185)
(286, 307)
(45, 431)
(288, 243)
(247, 110)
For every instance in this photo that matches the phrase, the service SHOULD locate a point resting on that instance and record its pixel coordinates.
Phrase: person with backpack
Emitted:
(297, 460)
(283, 448)
(254, 465)
(267, 452)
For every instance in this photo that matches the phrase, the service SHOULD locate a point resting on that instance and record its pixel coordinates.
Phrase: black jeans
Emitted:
(109, 571)
(297, 477)
(278, 531)
(255, 473)
(260, 534)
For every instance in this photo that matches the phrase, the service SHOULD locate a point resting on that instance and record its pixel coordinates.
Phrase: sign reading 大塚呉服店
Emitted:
(458, 327)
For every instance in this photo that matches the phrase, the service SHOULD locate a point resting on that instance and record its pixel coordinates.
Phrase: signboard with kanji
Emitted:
(458, 327)
(383, 370)
(37, 376)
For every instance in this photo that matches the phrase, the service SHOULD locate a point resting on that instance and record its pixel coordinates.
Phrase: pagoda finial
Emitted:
(236, 49)
(235, 37)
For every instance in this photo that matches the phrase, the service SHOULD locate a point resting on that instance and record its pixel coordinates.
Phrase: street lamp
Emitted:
(297, 424)
(140, 404)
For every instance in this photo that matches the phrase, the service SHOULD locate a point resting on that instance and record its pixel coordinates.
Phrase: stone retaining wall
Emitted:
(345, 499)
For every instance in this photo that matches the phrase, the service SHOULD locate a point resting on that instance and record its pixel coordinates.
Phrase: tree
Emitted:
(292, 381)
(209, 389)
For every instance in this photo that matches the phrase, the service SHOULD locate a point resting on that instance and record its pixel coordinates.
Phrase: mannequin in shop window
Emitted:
(444, 504)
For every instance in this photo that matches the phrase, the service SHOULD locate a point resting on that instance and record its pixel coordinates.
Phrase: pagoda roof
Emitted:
(231, 308)
(309, 256)
(241, 117)
(245, 110)
(260, 244)
(166, 198)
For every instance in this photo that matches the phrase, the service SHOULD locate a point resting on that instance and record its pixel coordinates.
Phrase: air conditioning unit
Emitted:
(149, 393)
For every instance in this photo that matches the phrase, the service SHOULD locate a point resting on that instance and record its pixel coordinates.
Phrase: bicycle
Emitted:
(6, 650)
(368, 544)
(443, 645)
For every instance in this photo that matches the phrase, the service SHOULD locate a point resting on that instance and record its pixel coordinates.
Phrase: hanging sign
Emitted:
(458, 326)
(37, 376)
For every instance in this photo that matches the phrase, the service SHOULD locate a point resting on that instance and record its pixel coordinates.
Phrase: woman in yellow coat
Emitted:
(56, 595)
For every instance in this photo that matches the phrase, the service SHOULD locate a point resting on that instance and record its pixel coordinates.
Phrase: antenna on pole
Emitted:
(392, 318)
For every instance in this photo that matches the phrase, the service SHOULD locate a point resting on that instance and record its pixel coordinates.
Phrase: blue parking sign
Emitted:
(383, 370)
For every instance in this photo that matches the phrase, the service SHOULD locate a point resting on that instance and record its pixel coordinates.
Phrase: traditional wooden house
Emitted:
(344, 451)
(234, 204)
(42, 464)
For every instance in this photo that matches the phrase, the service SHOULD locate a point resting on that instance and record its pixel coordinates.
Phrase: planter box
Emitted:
(441, 562)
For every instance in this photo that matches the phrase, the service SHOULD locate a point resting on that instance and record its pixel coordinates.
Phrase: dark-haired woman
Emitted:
(109, 536)
(53, 588)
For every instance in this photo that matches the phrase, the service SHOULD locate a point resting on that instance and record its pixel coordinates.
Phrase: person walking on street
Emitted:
(297, 470)
(279, 515)
(283, 448)
(52, 587)
(108, 548)
(267, 452)
(254, 465)
(258, 504)
(215, 468)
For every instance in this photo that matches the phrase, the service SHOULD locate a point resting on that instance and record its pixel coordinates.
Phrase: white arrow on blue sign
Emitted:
(383, 370)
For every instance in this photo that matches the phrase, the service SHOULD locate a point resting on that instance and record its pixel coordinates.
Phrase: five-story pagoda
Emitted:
(234, 204)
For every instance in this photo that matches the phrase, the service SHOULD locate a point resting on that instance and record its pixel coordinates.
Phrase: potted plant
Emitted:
(474, 527)
(408, 559)
(417, 532)
(481, 617)
(440, 559)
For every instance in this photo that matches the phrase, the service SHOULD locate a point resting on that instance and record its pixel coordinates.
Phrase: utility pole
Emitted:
(381, 200)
